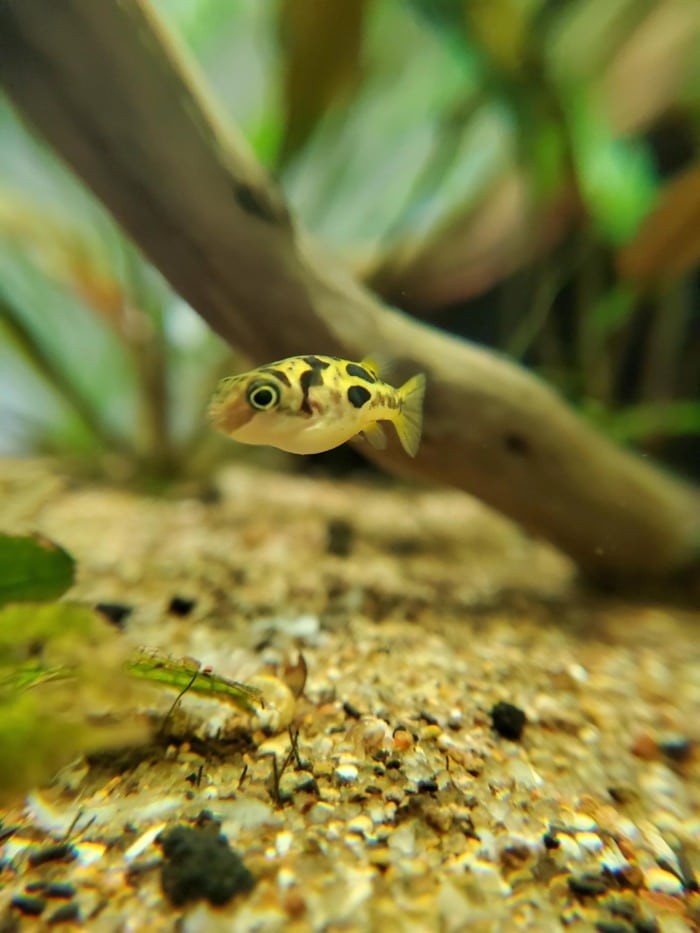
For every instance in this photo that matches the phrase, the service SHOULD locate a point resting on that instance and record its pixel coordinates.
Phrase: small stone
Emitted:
(587, 885)
(676, 747)
(200, 864)
(346, 774)
(508, 721)
(645, 747)
(283, 843)
(403, 740)
(352, 712)
(590, 842)
(340, 536)
(60, 890)
(361, 825)
(632, 876)
(321, 812)
(455, 719)
(294, 905)
(66, 913)
(28, 905)
(181, 606)
(569, 847)
(375, 735)
(116, 613)
(656, 879)
(61, 852)
(646, 925)
(280, 702)
(583, 823)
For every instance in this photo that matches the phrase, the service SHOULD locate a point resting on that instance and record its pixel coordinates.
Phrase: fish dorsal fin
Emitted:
(381, 365)
(373, 364)
(375, 435)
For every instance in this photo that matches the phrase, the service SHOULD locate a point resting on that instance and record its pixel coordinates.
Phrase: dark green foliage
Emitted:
(33, 568)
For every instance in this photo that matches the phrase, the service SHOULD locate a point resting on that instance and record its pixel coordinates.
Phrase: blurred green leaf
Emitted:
(640, 423)
(33, 568)
(616, 176)
(613, 309)
(321, 45)
(61, 665)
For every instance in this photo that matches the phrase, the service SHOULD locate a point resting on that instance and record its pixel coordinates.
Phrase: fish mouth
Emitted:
(229, 416)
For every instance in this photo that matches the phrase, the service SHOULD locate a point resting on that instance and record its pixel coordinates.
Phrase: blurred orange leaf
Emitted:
(668, 242)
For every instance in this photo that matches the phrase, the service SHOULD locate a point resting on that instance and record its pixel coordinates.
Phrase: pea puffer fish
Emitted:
(308, 404)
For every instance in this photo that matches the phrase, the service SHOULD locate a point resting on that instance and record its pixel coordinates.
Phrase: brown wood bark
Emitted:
(112, 92)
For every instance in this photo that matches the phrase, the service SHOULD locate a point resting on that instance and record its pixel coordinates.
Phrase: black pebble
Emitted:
(116, 613)
(550, 841)
(200, 864)
(339, 537)
(66, 913)
(62, 852)
(587, 885)
(646, 925)
(676, 747)
(181, 606)
(29, 906)
(508, 720)
(61, 890)
(351, 711)
(613, 926)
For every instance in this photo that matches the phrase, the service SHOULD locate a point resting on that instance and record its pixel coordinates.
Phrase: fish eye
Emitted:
(263, 396)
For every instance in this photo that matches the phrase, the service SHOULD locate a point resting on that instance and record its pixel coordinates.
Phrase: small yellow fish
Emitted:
(307, 404)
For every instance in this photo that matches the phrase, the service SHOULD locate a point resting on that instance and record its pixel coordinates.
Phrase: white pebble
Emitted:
(583, 823)
(89, 852)
(321, 812)
(570, 848)
(283, 842)
(656, 879)
(143, 842)
(347, 774)
(589, 842)
(361, 825)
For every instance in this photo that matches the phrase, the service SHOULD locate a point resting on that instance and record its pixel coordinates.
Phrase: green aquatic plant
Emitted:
(68, 680)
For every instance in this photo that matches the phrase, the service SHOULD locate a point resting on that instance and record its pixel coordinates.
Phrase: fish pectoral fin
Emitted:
(409, 422)
(375, 435)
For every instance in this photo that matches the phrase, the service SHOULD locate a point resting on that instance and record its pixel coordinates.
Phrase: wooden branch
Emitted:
(114, 95)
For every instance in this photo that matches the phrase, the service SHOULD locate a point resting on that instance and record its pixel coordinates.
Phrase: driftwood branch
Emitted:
(114, 95)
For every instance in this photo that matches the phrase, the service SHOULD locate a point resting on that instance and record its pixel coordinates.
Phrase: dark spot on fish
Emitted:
(278, 374)
(358, 396)
(516, 444)
(316, 363)
(359, 372)
(305, 383)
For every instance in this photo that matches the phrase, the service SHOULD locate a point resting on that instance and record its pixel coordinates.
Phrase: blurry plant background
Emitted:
(524, 173)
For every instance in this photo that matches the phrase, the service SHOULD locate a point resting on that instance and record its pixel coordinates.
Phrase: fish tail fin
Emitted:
(409, 419)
